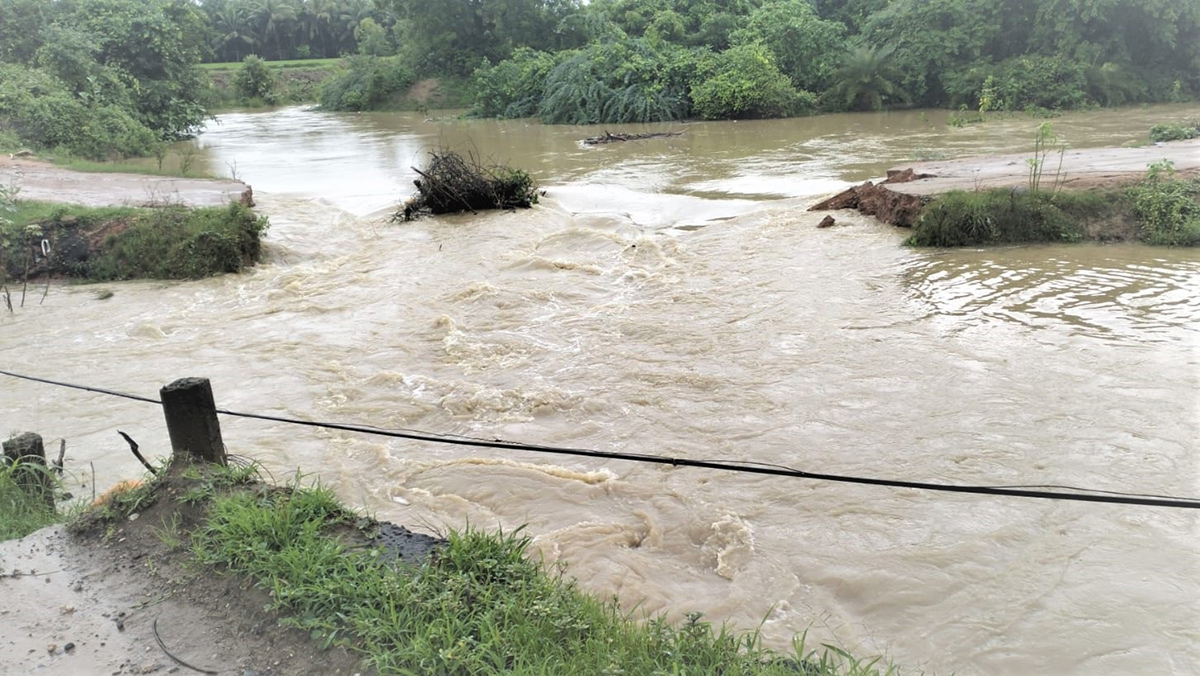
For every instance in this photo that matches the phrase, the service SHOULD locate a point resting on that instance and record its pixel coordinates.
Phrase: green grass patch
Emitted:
(479, 605)
(1159, 210)
(293, 63)
(119, 243)
(1007, 216)
(22, 511)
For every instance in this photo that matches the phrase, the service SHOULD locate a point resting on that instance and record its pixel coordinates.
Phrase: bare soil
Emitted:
(1080, 169)
(42, 181)
(87, 605)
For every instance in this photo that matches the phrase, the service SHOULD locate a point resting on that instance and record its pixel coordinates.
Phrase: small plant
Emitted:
(1045, 142)
(23, 511)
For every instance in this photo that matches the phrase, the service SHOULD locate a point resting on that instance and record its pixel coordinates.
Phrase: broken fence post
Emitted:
(32, 473)
(192, 421)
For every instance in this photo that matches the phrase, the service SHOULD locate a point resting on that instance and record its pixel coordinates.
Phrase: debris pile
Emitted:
(452, 183)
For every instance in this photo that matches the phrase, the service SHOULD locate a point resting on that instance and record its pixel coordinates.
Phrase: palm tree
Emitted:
(272, 16)
(867, 79)
(234, 30)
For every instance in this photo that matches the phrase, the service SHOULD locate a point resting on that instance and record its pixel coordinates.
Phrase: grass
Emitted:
(294, 63)
(481, 604)
(1159, 210)
(119, 243)
(22, 512)
(180, 161)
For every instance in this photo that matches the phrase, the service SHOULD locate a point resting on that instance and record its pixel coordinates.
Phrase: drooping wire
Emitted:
(746, 467)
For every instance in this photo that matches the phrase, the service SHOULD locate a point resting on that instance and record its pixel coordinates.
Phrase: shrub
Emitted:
(1000, 216)
(1175, 131)
(368, 83)
(1167, 208)
(743, 82)
(618, 80)
(254, 80)
(514, 87)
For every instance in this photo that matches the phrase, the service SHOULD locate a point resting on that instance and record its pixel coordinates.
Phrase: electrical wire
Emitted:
(1076, 494)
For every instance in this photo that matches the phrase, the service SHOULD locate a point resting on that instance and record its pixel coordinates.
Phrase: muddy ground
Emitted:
(87, 605)
(1080, 169)
(42, 181)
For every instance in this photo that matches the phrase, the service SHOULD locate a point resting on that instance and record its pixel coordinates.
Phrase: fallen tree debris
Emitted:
(452, 183)
(609, 137)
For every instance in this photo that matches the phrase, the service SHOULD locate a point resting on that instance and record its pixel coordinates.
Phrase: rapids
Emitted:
(674, 297)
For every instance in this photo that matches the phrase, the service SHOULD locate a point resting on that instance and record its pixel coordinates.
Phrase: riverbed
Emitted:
(674, 297)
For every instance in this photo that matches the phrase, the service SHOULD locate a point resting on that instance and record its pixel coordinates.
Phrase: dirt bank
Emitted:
(898, 200)
(42, 181)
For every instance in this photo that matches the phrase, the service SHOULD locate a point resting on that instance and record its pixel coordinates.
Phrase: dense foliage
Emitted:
(101, 78)
(702, 58)
(296, 29)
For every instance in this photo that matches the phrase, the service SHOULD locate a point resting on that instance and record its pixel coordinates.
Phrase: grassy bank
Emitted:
(21, 513)
(1161, 210)
(119, 243)
(480, 604)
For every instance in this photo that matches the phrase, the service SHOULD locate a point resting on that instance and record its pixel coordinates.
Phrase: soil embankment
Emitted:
(898, 199)
(44, 182)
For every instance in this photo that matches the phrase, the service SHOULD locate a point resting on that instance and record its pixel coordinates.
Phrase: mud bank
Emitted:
(898, 199)
(44, 182)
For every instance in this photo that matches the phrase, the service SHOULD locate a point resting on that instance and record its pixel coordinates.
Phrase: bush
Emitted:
(743, 82)
(37, 107)
(254, 80)
(1000, 216)
(1174, 131)
(514, 87)
(368, 83)
(171, 243)
(618, 80)
(1167, 208)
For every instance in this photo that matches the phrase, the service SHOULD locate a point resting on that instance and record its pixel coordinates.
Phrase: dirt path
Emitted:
(46, 182)
(89, 606)
(1087, 168)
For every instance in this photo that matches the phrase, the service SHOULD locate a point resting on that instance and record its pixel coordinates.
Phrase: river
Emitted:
(674, 297)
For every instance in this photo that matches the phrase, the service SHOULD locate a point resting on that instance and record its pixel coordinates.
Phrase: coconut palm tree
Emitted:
(234, 30)
(273, 17)
(867, 79)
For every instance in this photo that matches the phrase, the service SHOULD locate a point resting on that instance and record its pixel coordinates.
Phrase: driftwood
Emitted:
(609, 137)
(452, 183)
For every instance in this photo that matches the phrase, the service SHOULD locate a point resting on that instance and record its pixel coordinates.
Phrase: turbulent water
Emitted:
(674, 297)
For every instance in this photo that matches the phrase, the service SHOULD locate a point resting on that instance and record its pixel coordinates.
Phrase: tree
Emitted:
(274, 18)
(806, 48)
(866, 80)
(743, 82)
(157, 43)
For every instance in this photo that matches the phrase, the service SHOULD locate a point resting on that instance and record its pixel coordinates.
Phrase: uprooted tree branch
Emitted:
(452, 183)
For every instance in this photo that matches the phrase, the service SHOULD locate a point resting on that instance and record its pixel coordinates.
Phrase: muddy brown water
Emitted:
(674, 297)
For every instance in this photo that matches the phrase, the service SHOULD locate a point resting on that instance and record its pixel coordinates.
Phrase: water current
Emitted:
(674, 297)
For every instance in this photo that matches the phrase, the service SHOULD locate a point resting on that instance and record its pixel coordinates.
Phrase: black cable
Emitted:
(1084, 495)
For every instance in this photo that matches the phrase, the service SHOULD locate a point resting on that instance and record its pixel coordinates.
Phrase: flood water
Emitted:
(674, 297)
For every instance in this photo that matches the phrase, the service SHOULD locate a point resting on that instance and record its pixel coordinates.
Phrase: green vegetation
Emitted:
(305, 64)
(480, 604)
(255, 80)
(1175, 131)
(1168, 209)
(1159, 210)
(22, 511)
(367, 83)
(128, 243)
(100, 78)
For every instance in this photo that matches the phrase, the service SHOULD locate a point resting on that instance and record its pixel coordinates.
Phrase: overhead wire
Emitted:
(1076, 494)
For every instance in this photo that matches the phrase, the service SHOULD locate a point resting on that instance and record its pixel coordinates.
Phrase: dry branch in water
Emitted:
(452, 183)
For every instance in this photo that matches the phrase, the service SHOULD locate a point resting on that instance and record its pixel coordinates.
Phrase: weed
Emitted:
(1045, 142)
(170, 534)
(478, 606)
(23, 511)
(1167, 208)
